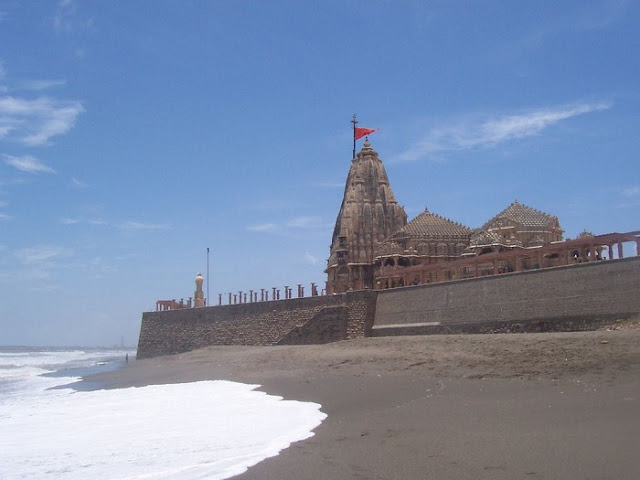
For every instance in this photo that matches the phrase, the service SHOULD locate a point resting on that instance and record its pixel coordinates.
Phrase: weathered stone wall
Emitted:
(360, 313)
(296, 321)
(577, 297)
(262, 323)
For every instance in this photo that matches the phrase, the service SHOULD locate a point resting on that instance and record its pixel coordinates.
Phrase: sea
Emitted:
(52, 427)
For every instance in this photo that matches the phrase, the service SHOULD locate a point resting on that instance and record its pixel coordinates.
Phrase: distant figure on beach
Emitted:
(126, 358)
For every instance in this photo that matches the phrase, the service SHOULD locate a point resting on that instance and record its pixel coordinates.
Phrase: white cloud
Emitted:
(631, 191)
(28, 164)
(292, 227)
(41, 254)
(306, 222)
(36, 121)
(39, 85)
(488, 132)
(264, 227)
(5, 130)
(328, 184)
(131, 225)
(311, 259)
(78, 183)
(4, 216)
(65, 19)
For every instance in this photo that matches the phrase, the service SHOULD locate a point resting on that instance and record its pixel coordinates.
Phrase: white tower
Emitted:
(198, 296)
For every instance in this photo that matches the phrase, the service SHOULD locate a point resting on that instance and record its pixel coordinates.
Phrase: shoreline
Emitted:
(550, 405)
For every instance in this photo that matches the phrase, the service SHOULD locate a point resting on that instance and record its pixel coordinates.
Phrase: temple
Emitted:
(373, 246)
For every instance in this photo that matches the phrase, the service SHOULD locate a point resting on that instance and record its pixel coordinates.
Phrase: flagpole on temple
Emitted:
(354, 121)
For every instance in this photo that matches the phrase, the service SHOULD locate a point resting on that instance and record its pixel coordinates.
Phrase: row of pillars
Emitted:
(267, 294)
(569, 255)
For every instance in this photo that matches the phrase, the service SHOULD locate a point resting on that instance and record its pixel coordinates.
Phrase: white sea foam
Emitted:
(212, 430)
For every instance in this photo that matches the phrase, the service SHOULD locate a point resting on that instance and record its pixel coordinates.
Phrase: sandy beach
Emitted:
(552, 405)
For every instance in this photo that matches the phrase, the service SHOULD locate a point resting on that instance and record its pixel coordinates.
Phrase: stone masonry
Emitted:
(576, 297)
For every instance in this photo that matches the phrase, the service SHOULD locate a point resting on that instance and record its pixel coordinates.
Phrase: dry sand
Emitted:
(552, 405)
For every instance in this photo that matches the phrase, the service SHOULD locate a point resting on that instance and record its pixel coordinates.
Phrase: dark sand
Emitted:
(552, 405)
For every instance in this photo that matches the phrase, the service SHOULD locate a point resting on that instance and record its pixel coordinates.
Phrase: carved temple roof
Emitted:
(430, 225)
(523, 215)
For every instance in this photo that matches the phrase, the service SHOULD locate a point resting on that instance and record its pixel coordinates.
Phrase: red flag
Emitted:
(360, 132)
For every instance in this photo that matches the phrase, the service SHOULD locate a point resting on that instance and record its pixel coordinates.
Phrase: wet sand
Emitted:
(552, 405)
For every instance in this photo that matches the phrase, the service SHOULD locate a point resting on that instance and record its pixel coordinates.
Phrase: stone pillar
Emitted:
(300, 291)
(198, 296)
(262, 294)
(287, 295)
(273, 293)
(229, 298)
(314, 289)
(219, 299)
(251, 296)
(620, 252)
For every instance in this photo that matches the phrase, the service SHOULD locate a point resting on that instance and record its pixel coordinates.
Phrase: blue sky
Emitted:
(134, 135)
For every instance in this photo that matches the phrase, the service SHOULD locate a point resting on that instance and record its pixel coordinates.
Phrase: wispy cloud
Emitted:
(309, 258)
(131, 225)
(631, 191)
(4, 216)
(28, 164)
(489, 131)
(263, 227)
(290, 227)
(65, 18)
(308, 222)
(41, 254)
(126, 225)
(78, 183)
(35, 121)
(329, 184)
(39, 85)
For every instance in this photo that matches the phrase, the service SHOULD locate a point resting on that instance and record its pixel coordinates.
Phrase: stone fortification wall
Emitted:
(577, 297)
(295, 321)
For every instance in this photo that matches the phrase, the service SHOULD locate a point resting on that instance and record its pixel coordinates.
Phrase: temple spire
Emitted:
(368, 215)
